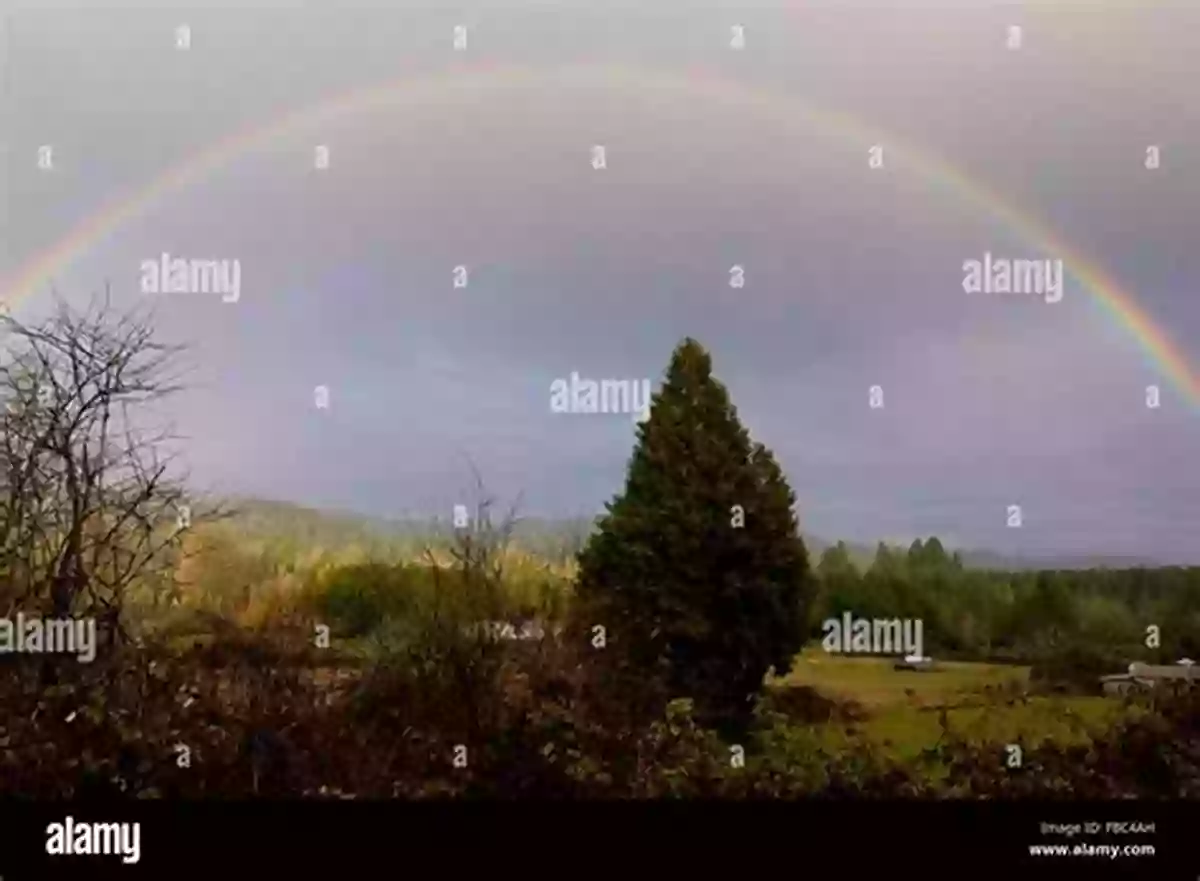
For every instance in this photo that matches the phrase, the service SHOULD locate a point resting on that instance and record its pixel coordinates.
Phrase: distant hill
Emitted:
(265, 518)
(270, 519)
(262, 518)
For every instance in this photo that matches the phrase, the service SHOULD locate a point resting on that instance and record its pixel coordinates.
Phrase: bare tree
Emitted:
(88, 503)
(468, 606)
(478, 551)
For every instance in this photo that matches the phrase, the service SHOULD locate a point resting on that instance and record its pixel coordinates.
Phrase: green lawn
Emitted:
(873, 683)
(904, 709)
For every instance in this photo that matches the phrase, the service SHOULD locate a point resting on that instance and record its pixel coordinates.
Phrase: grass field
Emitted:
(985, 703)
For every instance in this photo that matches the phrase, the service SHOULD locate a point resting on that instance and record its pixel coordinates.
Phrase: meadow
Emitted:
(908, 712)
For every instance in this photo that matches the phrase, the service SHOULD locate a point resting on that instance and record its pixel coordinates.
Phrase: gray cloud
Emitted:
(853, 275)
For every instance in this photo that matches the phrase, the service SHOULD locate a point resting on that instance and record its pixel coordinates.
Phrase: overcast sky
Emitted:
(715, 157)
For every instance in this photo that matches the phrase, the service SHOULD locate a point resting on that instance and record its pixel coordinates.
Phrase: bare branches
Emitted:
(89, 501)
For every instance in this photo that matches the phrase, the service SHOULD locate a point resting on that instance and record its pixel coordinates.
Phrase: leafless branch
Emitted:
(89, 500)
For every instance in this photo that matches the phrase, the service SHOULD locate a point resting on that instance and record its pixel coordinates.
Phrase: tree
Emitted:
(888, 560)
(835, 561)
(698, 570)
(87, 504)
(929, 554)
(839, 585)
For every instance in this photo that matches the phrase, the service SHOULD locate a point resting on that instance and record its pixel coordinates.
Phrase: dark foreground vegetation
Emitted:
(659, 667)
(258, 725)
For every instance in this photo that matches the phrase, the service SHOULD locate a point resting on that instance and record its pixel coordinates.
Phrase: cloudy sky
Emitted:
(715, 157)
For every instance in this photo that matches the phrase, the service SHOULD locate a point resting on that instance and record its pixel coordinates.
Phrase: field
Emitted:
(903, 711)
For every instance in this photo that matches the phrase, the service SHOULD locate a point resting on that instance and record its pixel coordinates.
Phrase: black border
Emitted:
(842, 839)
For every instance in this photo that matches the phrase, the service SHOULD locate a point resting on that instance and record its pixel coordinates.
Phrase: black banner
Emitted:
(850, 839)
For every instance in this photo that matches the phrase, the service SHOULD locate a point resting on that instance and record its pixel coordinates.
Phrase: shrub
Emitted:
(355, 600)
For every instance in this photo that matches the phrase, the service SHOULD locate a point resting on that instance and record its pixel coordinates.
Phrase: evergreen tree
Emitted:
(888, 560)
(839, 586)
(835, 560)
(698, 571)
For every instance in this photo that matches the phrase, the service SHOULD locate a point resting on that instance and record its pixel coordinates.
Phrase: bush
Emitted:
(355, 600)
(1078, 668)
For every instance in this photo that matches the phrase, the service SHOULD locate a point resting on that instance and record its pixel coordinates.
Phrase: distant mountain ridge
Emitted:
(259, 517)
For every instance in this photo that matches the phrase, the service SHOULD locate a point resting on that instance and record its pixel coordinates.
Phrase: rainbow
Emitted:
(1118, 305)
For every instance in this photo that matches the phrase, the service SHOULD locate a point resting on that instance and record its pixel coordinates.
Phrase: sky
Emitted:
(757, 157)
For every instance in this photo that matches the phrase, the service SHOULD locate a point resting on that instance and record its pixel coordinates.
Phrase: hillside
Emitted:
(267, 518)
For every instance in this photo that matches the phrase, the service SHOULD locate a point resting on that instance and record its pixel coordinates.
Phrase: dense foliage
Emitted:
(1085, 622)
(698, 570)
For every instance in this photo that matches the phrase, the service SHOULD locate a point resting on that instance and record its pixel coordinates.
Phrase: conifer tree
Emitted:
(698, 570)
